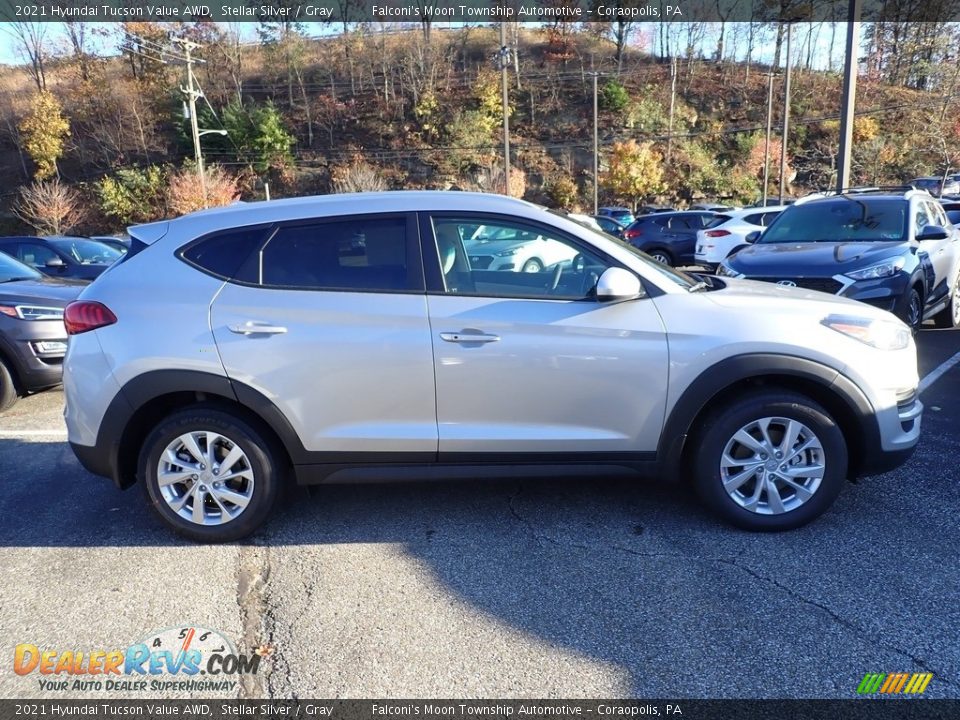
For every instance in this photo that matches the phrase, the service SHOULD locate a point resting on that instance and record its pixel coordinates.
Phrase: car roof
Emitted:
(303, 208)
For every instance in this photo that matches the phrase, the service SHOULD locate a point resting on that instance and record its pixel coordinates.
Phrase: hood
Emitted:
(749, 295)
(812, 259)
(56, 292)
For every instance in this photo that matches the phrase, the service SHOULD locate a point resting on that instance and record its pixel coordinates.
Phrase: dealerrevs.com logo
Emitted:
(189, 658)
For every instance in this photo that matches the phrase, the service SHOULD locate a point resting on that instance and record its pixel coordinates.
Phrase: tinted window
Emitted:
(717, 220)
(86, 252)
(354, 254)
(845, 218)
(10, 269)
(755, 219)
(222, 254)
(35, 255)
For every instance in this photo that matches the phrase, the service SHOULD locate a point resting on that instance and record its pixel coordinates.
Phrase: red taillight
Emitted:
(716, 233)
(82, 316)
(632, 233)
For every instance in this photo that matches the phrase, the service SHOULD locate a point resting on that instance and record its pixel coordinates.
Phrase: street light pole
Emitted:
(596, 150)
(849, 95)
(786, 118)
(504, 64)
(766, 146)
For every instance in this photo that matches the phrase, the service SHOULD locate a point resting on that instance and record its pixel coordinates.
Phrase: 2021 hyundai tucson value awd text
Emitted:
(354, 337)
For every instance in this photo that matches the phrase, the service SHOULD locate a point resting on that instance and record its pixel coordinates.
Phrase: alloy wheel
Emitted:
(205, 478)
(772, 465)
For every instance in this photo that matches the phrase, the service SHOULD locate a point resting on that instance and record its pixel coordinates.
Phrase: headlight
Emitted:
(881, 270)
(881, 334)
(724, 270)
(507, 253)
(32, 312)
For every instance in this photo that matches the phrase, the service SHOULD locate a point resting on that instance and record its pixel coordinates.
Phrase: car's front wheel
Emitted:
(911, 311)
(769, 461)
(8, 389)
(211, 476)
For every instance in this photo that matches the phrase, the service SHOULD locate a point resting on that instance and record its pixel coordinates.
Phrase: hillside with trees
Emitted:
(94, 141)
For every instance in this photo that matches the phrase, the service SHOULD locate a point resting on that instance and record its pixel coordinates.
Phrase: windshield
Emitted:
(11, 269)
(86, 252)
(843, 219)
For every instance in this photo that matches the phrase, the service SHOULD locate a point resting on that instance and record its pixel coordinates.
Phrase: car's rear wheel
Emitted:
(211, 476)
(949, 317)
(661, 256)
(769, 461)
(8, 389)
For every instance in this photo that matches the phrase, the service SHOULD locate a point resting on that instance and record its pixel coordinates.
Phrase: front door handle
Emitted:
(254, 328)
(468, 336)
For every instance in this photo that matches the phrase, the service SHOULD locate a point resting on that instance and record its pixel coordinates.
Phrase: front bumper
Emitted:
(22, 342)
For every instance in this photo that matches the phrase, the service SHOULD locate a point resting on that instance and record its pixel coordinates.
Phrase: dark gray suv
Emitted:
(33, 339)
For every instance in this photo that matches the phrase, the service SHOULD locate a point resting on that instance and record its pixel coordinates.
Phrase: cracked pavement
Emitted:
(600, 586)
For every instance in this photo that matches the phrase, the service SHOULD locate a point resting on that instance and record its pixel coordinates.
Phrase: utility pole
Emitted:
(849, 95)
(504, 66)
(786, 118)
(192, 95)
(596, 150)
(673, 98)
(766, 146)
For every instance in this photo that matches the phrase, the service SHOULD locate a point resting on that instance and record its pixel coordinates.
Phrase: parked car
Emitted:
(64, 257)
(121, 245)
(898, 252)
(712, 207)
(33, 339)
(504, 247)
(610, 226)
(235, 349)
(729, 230)
(653, 209)
(669, 237)
(622, 215)
(937, 186)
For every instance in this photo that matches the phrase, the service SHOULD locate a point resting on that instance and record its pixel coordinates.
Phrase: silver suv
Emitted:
(357, 337)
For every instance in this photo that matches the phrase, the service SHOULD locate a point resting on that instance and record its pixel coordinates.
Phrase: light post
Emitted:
(502, 59)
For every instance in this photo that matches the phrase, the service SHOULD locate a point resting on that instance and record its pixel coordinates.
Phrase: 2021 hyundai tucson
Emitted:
(354, 337)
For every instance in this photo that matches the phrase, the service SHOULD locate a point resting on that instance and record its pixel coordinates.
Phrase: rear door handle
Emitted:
(254, 328)
(468, 336)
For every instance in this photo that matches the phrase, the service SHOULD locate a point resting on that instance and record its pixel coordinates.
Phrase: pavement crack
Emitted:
(253, 575)
(835, 616)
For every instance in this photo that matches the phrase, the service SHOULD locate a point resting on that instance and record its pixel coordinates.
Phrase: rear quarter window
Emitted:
(225, 252)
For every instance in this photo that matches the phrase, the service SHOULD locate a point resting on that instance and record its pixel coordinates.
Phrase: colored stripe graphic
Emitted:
(871, 683)
(894, 683)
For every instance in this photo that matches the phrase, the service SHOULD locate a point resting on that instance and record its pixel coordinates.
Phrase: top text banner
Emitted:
(479, 11)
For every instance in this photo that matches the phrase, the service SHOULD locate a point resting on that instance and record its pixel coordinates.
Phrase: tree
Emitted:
(357, 176)
(258, 133)
(31, 37)
(613, 96)
(562, 191)
(185, 195)
(50, 207)
(133, 195)
(634, 172)
(44, 131)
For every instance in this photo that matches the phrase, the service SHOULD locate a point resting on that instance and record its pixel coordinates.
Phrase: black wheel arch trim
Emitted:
(727, 373)
(110, 458)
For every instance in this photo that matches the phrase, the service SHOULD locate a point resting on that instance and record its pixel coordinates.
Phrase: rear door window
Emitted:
(361, 253)
(223, 253)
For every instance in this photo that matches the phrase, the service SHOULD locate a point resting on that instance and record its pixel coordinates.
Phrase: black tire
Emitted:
(949, 317)
(533, 265)
(8, 388)
(260, 455)
(911, 309)
(718, 429)
(661, 256)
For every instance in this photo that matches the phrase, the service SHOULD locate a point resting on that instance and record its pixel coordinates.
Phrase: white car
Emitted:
(494, 247)
(729, 230)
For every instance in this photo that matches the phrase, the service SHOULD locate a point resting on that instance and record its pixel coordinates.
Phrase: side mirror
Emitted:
(617, 284)
(932, 232)
(55, 263)
(753, 237)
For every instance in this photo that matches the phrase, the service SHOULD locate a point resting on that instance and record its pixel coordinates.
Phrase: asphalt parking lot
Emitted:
(590, 588)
